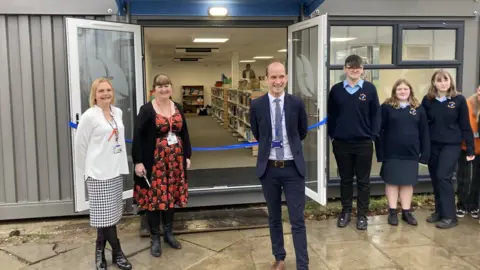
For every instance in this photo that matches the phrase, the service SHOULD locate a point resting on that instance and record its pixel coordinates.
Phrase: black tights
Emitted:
(107, 234)
(154, 219)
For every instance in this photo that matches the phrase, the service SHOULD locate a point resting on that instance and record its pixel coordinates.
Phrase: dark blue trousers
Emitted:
(443, 159)
(293, 184)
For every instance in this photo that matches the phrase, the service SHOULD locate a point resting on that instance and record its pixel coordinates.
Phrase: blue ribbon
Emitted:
(227, 147)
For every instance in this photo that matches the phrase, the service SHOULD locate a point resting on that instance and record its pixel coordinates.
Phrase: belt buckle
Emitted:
(279, 164)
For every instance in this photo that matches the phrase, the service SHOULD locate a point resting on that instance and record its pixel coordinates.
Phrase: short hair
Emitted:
(275, 62)
(354, 61)
(161, 80)
(93, 90)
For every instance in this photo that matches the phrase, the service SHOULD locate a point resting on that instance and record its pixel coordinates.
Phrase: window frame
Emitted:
(459, 34)
(397, 27)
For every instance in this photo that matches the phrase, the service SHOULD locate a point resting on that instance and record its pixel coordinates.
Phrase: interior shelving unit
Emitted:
(230, 107)
(193, 98)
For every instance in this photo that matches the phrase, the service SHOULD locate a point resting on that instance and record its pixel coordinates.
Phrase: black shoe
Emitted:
(446, 223)
(474, 213)
(144, 230)
(393, 217)
(118, 257)
(100, 261)
(408, 217)
(343, 219)
(461, 213)
(362, 223)
(434, 218)
(167, 221)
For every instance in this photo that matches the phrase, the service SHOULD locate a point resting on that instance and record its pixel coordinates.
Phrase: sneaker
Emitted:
(362, 223)
(408, 217)
(446, 223)
(474, 213)
(434, 218)
(343, 219)
(461, 213)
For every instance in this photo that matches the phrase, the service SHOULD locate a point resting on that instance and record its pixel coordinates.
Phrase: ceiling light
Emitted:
(263, 57)
(282, 50)
(247, 61)
(210, 40)
(218, 11)
(341, 39)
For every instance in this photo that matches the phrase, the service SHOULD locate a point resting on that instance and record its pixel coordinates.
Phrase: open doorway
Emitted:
(216, 72)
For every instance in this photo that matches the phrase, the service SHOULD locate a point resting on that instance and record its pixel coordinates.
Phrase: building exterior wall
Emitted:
(59, 7)
(35, 154)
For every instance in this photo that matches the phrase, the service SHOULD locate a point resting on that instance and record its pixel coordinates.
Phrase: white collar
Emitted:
(272, 98)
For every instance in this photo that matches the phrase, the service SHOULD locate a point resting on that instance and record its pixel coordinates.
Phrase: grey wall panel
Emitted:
(6, 117)
(59, 7)
(63, 113)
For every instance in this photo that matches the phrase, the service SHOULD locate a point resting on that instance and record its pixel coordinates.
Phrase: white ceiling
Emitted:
(248, 42)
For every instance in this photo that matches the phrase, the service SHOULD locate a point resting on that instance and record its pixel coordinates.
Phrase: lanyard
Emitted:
(169, 119)
(114, 128)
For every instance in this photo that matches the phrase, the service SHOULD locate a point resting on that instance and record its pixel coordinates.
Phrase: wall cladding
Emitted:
(35, 145)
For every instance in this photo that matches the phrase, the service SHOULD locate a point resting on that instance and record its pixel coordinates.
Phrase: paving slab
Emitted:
(10, 262)
(216, 241)
(32, 252)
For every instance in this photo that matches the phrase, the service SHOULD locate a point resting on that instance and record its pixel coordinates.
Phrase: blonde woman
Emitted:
(403, 143)
(449, 125)
(101, 154)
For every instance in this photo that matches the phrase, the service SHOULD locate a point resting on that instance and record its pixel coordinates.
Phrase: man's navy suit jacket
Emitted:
(296, 125)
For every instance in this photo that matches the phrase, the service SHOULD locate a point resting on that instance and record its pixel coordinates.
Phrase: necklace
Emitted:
(162, 111)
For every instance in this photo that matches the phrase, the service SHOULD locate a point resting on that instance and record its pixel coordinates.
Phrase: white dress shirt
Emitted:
(287, 153)
(94, 153)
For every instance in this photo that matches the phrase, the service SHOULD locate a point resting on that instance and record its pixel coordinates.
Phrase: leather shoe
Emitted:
(278, 265)
(434, 218)
(446, 223)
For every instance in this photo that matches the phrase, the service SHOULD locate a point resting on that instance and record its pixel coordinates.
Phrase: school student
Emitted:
(468, 181)
(353, 126)
(448, 120)
(403, 143)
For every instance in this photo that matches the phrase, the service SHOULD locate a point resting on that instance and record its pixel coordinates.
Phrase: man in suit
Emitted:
(279, 123)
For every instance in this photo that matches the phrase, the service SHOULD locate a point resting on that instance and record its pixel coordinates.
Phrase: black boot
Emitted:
(167, 218)
(144, 230)
(100, 261)
(118, 257)
(392, 217)
(154, 224)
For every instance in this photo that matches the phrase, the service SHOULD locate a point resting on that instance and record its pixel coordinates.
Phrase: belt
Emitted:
(281, 163)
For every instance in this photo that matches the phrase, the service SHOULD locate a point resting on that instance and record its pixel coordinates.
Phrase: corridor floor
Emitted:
(380, 247)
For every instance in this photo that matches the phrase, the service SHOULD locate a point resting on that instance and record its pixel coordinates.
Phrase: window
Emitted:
(372, 43)
(420, 80)
(393, 50)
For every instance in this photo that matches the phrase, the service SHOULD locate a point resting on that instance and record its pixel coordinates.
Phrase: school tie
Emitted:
(278, 129)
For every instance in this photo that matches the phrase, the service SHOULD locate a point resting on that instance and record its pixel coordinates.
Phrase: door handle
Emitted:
(77, 116)
(314, 115)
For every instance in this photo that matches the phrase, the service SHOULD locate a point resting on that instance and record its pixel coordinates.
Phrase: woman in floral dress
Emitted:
(161, 154)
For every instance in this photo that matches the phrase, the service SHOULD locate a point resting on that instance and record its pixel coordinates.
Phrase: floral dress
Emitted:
(168, 184)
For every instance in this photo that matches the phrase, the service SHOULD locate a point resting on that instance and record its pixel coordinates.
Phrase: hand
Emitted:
(470, 158)
(140, 170)
(188, 163)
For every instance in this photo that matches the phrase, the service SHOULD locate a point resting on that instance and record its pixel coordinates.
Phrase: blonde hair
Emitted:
(393, 99)
(432, 91)
(93, 90)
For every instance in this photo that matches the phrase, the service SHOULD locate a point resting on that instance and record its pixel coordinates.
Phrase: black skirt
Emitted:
(399, 172)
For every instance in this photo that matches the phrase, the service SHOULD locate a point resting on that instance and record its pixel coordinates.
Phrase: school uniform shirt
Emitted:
(353, 112)
(94, 152)
(449, 121)
(403, 134)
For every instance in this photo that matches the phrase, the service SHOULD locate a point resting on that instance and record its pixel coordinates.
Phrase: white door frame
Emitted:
(72, 24)
(321, 22)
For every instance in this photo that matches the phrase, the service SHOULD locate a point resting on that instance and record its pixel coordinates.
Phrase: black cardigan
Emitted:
(144, 140)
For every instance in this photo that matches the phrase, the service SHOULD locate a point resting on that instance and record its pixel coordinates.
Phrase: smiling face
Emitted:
(277, 79)
(442, 82)
(162, 86)
(402, 92)
(104, 94)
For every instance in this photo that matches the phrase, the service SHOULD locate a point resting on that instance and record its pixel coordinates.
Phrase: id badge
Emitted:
(277, 144)
(117, 149)
(475, 134)
(172, 138)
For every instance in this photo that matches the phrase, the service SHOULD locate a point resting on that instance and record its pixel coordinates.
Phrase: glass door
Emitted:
(104, 49)
(307, 76)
